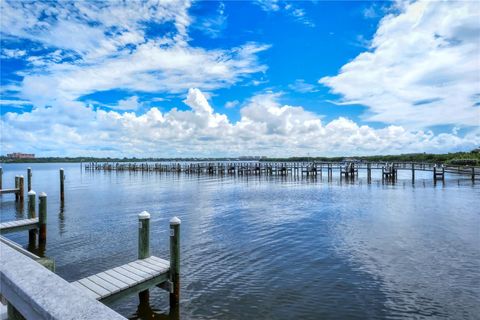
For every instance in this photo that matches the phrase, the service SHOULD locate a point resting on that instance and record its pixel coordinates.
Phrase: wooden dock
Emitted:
(130, 278)
(347, 170)
(107, 286)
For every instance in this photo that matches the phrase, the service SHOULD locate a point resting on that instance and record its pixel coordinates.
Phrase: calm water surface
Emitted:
(271, 247)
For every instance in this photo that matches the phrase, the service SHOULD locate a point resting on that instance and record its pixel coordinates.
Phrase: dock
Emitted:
(346, 170)
(33, 291)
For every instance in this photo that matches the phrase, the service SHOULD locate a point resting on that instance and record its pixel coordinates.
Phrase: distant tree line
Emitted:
(457, 158)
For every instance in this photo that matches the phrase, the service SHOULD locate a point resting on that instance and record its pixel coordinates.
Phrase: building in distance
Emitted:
(19, 155)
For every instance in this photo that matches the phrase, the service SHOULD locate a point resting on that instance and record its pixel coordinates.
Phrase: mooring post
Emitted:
(16, 187)
(473, 173)
(413, 172)
(175, 260)
(435, 173)
(20, 188)
(1, 178)
(29, 179)
(369, 172)
(62, 190)
(31, 214)
(42, 218)
(144, 235)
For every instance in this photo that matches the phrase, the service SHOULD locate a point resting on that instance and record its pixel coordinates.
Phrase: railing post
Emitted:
(175, 260)
(62, 190)
(29, 179)
(21, 188)
(144, 235)
(42, 218)
(31, 214)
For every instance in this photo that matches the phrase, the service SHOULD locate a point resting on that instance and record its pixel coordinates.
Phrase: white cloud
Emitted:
(98, 46)
(289, 8)
(13, 53)
(423, 67)
(130, 104)
(266, 127)
(303, 87)
(232, 104)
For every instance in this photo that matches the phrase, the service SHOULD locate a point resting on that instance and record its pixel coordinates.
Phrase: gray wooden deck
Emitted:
(129, 278)
(17, 225)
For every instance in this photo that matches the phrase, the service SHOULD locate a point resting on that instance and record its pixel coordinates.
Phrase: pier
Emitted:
(347, 170)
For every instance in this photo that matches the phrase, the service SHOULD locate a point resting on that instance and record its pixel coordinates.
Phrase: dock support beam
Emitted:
(175, 261)
(143, 235)
(32, 234)
(42, 219)
(29, 179)
(62, 189)
(20, 188)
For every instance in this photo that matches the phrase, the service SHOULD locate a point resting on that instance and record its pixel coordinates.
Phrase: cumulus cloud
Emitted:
(266, 127)
(97, 46)
(422, 69)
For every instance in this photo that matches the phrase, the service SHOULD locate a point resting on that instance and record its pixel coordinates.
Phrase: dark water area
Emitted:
(273, 247)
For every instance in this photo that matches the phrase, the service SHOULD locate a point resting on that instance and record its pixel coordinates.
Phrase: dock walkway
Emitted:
(129, 278)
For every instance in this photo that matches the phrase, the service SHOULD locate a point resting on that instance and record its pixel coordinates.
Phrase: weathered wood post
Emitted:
(473, 174)
(32, 234)
(413, 172)
(144, 235)
(443, 173)
(29, 179)
(42, 219)
(1, 178)
(175, 260)
(369, 172)
(20, 188)
(435, 174)
(62, 189)
(16, 187)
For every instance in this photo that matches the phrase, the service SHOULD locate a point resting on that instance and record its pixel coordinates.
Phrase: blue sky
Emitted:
(233, 78)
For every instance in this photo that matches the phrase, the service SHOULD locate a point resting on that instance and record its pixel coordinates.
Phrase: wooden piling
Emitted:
(473, 173)
(413, 172)
(42, 219)
(16, 187)
(62, 189)
(32, 234)
(20, 188)
(144, 235)
(1, 178)
(435, 174)
(175, 261)
(29, 179)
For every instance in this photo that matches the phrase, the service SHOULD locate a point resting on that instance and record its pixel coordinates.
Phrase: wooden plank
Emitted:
(86, 290)
(147, 269)
(151, 265)
(128, 273)
(104, 284)
(4, 191)
(116, 282)
(143, 274)
(94, 287)
(160, 260)
(121, 277)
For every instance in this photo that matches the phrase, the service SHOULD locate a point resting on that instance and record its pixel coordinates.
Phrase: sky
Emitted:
(239, 78)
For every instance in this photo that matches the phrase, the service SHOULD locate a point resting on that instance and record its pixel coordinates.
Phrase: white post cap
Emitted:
(31, 193)
(143, 215)
(42, 194)
(175, 221)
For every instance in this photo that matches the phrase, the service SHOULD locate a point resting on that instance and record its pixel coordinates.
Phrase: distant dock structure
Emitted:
(347, 170)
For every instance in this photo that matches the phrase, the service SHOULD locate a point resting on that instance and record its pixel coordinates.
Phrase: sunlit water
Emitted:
(272, 247)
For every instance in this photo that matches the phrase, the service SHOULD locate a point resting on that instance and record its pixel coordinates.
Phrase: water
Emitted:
(272, 247)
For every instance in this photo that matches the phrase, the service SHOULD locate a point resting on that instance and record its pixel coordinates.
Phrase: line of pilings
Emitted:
(347, 170)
